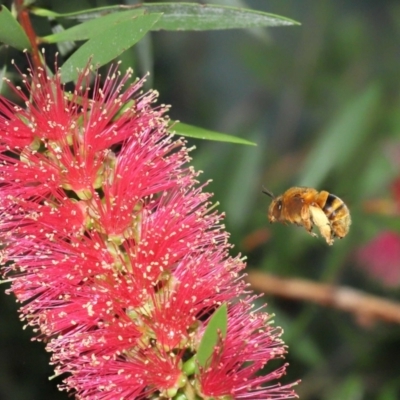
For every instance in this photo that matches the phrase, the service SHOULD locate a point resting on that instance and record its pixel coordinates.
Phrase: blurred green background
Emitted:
(322, 101)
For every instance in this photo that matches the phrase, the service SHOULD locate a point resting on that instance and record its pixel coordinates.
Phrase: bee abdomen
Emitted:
(333, 206)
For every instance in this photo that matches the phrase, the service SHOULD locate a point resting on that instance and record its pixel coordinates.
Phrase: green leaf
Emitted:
(187, 16)
(205, 134)
(93, 27)
(11, 32)
(3, 72)
(342, 138)
(244, 165)
(81, 15)
(215, 327)
(193, 16)
(108, 45)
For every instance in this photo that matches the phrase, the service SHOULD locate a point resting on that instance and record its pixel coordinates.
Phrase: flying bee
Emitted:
(307, 207)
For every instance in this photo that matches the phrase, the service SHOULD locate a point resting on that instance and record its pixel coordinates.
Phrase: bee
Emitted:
(307, 207)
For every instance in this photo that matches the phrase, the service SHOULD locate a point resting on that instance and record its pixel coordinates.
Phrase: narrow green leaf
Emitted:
(108, 45)
(145, 60)
(244, 166)
(3, 72)
(11, 32)
(93, 27)
(81, 15)
(187, 16)
(205, 134)
(193, 16)
(216, 326)
(342, 138)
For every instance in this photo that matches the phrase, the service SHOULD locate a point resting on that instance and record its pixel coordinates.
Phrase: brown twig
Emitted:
(23, 17)
(367, 308)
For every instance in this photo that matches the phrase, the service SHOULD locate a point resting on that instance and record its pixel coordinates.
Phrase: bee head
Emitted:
(274, 210)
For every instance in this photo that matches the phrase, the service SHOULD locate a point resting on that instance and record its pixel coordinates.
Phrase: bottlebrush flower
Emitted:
(116, 252)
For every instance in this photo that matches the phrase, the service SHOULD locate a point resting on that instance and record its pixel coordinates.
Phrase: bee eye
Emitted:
(280, 206)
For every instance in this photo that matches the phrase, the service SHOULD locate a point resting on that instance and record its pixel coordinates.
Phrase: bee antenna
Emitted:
(267, 192)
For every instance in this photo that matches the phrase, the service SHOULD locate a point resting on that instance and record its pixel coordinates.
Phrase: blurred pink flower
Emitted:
(381, 258)
(115, 251)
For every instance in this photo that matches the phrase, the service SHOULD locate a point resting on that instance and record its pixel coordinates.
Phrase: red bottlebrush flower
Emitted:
(381, 258)
(248, 346)
(115, 251)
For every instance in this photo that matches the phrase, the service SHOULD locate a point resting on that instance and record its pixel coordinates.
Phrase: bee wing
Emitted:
(321, 221)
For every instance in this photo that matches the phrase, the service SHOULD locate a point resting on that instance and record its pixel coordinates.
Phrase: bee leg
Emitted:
(306, 220)
(321, 221)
